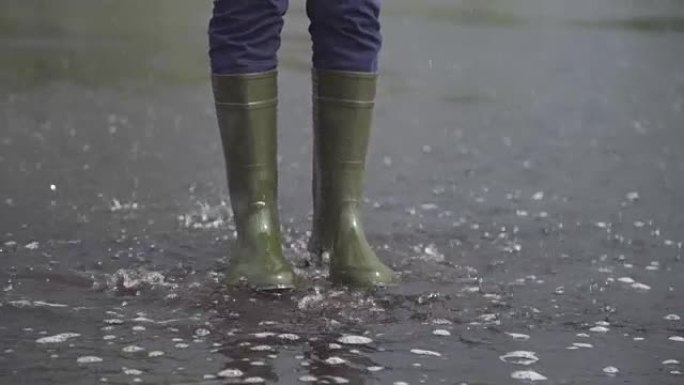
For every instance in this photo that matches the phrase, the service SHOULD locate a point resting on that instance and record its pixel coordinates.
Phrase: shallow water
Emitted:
(526, 180)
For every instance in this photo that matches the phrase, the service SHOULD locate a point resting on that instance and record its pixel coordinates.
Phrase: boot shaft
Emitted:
(246, 109)
(343, 114)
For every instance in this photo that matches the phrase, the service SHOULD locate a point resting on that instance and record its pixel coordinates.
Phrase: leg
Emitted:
(346, 40)
(244, 38)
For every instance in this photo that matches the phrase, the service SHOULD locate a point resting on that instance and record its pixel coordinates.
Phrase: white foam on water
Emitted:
(375, 368)
(676, 338)
(57, 338)
(155, 353)
(599, 329)
(672, 317)
(138, 328)
(518, 336)
(209, 377)
(671, 362)
(626, 280)
(423, 352)
(528, 375)
(230, 373)
(520, 357)
(583, 335)
(88, 360)
(202, 332)
(334, 346)
(441, 332)
(114, 321)
(354, 340)
(582, 345)
(262, 348)
(308, 378)
(335, 360)
(400, 383)
(181, 345)
(32, 246)
(258, 363)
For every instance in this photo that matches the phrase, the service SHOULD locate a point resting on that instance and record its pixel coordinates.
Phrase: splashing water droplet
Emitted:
(528, 375)
(520, 357)
(354, 340)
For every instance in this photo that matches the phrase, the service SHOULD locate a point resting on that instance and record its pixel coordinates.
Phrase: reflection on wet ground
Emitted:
(525, 181)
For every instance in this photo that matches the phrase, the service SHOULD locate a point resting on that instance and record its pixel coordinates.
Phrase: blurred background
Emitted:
(526, 177)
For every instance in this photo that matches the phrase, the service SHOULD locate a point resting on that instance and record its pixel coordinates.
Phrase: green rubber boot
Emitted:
(343, 110)
(246, 108)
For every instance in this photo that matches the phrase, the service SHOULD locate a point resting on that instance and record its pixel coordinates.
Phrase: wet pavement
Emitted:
(526, 178)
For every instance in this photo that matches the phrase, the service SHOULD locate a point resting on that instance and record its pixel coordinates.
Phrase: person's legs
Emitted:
(346, 42)
(244, 40)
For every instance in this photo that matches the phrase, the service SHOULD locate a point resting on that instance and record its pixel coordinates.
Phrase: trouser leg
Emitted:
(244, 35)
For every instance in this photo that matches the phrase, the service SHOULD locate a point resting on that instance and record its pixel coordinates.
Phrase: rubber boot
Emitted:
(343, 109)
(246, 108)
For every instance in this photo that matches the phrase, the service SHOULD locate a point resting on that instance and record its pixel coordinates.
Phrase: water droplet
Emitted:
(354, 340)
(640, 286)
(611, 370)
(132, 349)
(288, 336)
(441, 332)
(132, 372)
(520, 357)
(230, 373)
(58, 338)
(261, 348)
(527, 375)
(88, 359)
(632, 196)
(422, 352)
(518, 336)
(253, 380)
(335, 361)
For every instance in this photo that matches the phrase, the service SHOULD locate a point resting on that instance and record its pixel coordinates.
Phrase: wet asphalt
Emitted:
(526, 179)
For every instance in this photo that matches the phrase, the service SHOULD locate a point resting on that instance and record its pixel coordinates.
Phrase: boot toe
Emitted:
(262, 279)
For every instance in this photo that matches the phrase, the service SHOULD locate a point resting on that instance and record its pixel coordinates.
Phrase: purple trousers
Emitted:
(244, 35)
